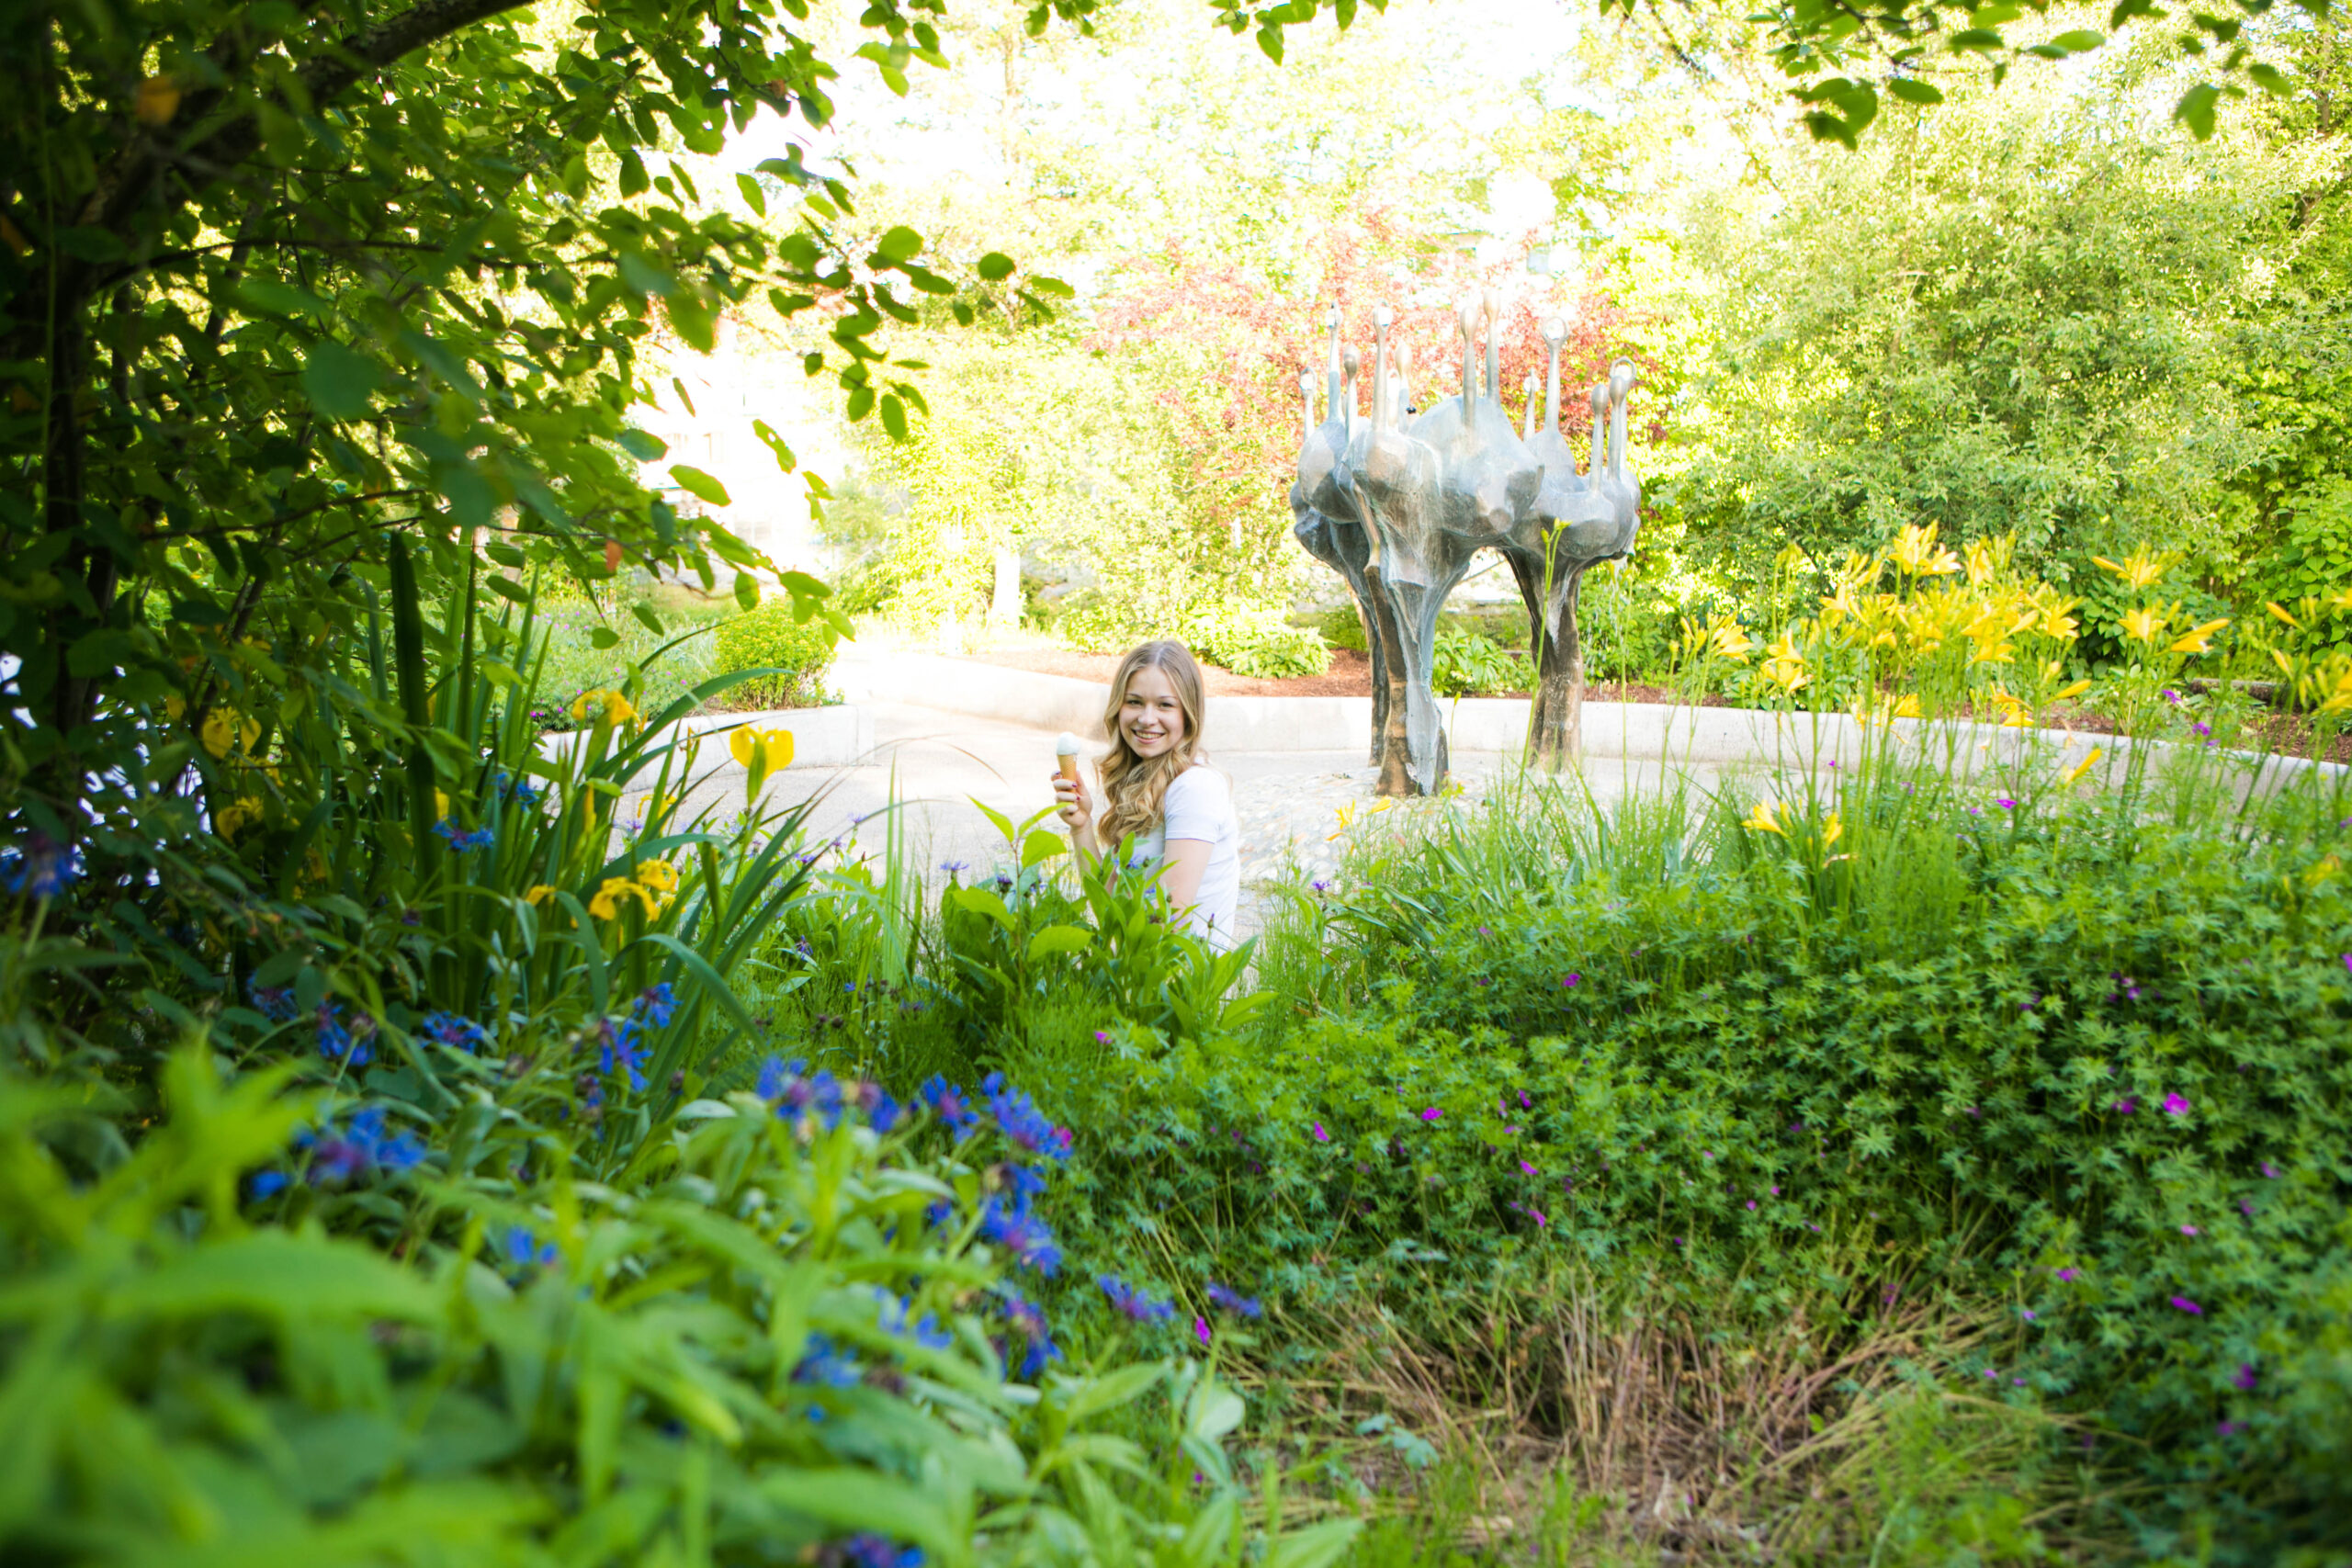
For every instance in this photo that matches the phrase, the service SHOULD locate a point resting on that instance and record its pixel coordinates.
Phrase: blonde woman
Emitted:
(1159, 788)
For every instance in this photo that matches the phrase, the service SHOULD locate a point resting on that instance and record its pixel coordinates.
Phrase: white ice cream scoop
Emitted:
(1069, 747)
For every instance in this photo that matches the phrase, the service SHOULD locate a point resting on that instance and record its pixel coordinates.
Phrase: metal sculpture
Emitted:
(1401, 507)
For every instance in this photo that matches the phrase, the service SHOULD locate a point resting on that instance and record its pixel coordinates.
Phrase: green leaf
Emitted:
(1912, 92)
(338, 381)
(981, 901)
(1112, 1390)
(280, 298)
(604, 637)
(863, 1500)
(996, 266)
(1316, 1546)
(1055, 940)
(1052, 289)
(641, 445)
(2196, 109)
(747, 591)
(2079, 40)
(900, 243)
(278, 1274)
(1042, 846)
(894, 416)
(755, 197)
(701, 486)
(647, 618)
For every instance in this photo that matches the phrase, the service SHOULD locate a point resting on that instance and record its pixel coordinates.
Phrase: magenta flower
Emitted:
(2348, 961)
(2269, 1171)
(1321, 1135)
(1751, 1202)
(2244, 1376)
(2176, 1105)
(2067, 1275)
(1201, 1329)
(2192, 1308)
(1525, 1168)
(2189, 1230)
(2006, 805)
(2127, 1107)
(1431, 1115)
(2230, 1429)
(1537, 1215)
(1570, 981)
(2026, 1313)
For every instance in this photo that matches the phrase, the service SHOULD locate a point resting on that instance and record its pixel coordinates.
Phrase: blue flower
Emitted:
(621, 1049)
(520, 790)
(1022, 1121)
(1037, 1340)
(337, 1157)
(924, 1331)
(1022, 1232)
(1239, 1306)
(658, 1003)
(882, 1111)
(39, 866)
(822, 1365)
(1021, 1181)
(454, 1030)
(954, 867)
(524, 1250)
(274, 1003)
(947, 1102)
(265, 1184)
(1132, 1303)
(873, 1551)
(337, 1042)
(463, 842)
(782, 1085)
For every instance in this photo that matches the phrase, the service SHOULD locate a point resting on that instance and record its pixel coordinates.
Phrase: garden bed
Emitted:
(1349, 675)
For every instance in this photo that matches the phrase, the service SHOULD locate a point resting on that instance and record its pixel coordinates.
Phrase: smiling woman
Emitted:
(1160, 793)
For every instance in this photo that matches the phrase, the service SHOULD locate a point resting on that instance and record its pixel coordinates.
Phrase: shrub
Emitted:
(1468, 664)
(1343, 628)
(769, 639)
(1260, 644)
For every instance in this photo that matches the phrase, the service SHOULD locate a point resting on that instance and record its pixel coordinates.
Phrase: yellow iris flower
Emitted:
(658, 874)
(539, 894)
(225, 726)
(236, 817)
(605, 705)
(606, 905)
(768, 750)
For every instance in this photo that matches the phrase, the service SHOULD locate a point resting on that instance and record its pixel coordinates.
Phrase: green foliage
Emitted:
(797, 648)
(1344, 629)
(1258, 643)
(1464, 663)
(763, 1346)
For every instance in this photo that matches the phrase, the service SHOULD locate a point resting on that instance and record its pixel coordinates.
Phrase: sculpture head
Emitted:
(1620, 381)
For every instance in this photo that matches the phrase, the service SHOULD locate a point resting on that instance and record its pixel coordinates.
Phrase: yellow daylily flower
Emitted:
(1832, 829)
(2073, 775)
(236, 817)
(2198, 639)
(658, 874)
(2144, 624)
(2321, 869)
(1917, 554)
(2069, 693)
(225, 726)
(1347, 816)
(2280, 611)
(1729, 641)
(1907, 706)
(2139, 569)
(1762, 819)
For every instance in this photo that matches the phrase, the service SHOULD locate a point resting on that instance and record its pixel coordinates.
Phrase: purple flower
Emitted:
(337, 1157)
(1239, 1306)
(2005, 804)
(2192, 1308)
(2230, 1429)
(1037, 1340)
(2244, 1376)
(782, 1085)
(1018, 1118)
(454, 1030)
(868, 1550)
(2202, 727)
(1022, 1234)
(1102, 1037)
(1321, 1135)
(952, 867)
(947, 1102)
(2269, 1171)
(1525, 1168)
(1569, 982)
(2189, 1230)
(2026, 1313)
(2127, 1107)
(2068, 1274)
(1431, 1115)
(1132, 1303)
(2176, 1105)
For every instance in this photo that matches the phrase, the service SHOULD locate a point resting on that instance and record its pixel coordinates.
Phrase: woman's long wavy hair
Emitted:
(1133, 786)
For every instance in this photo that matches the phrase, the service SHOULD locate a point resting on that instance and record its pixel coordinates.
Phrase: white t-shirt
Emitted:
(1199, 805)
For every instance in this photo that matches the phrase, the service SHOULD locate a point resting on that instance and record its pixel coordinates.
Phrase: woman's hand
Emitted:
(1076, 807)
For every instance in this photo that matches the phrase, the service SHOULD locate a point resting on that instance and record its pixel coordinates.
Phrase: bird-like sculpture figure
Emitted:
(1400, 506)
(1327, 522)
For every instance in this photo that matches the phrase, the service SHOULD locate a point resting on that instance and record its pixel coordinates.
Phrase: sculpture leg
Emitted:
(1388, 671)
(1555, 725)
(1417, 760)
(1376, 641)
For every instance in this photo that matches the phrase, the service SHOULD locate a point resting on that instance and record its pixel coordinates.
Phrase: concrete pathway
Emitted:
(933, 764)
